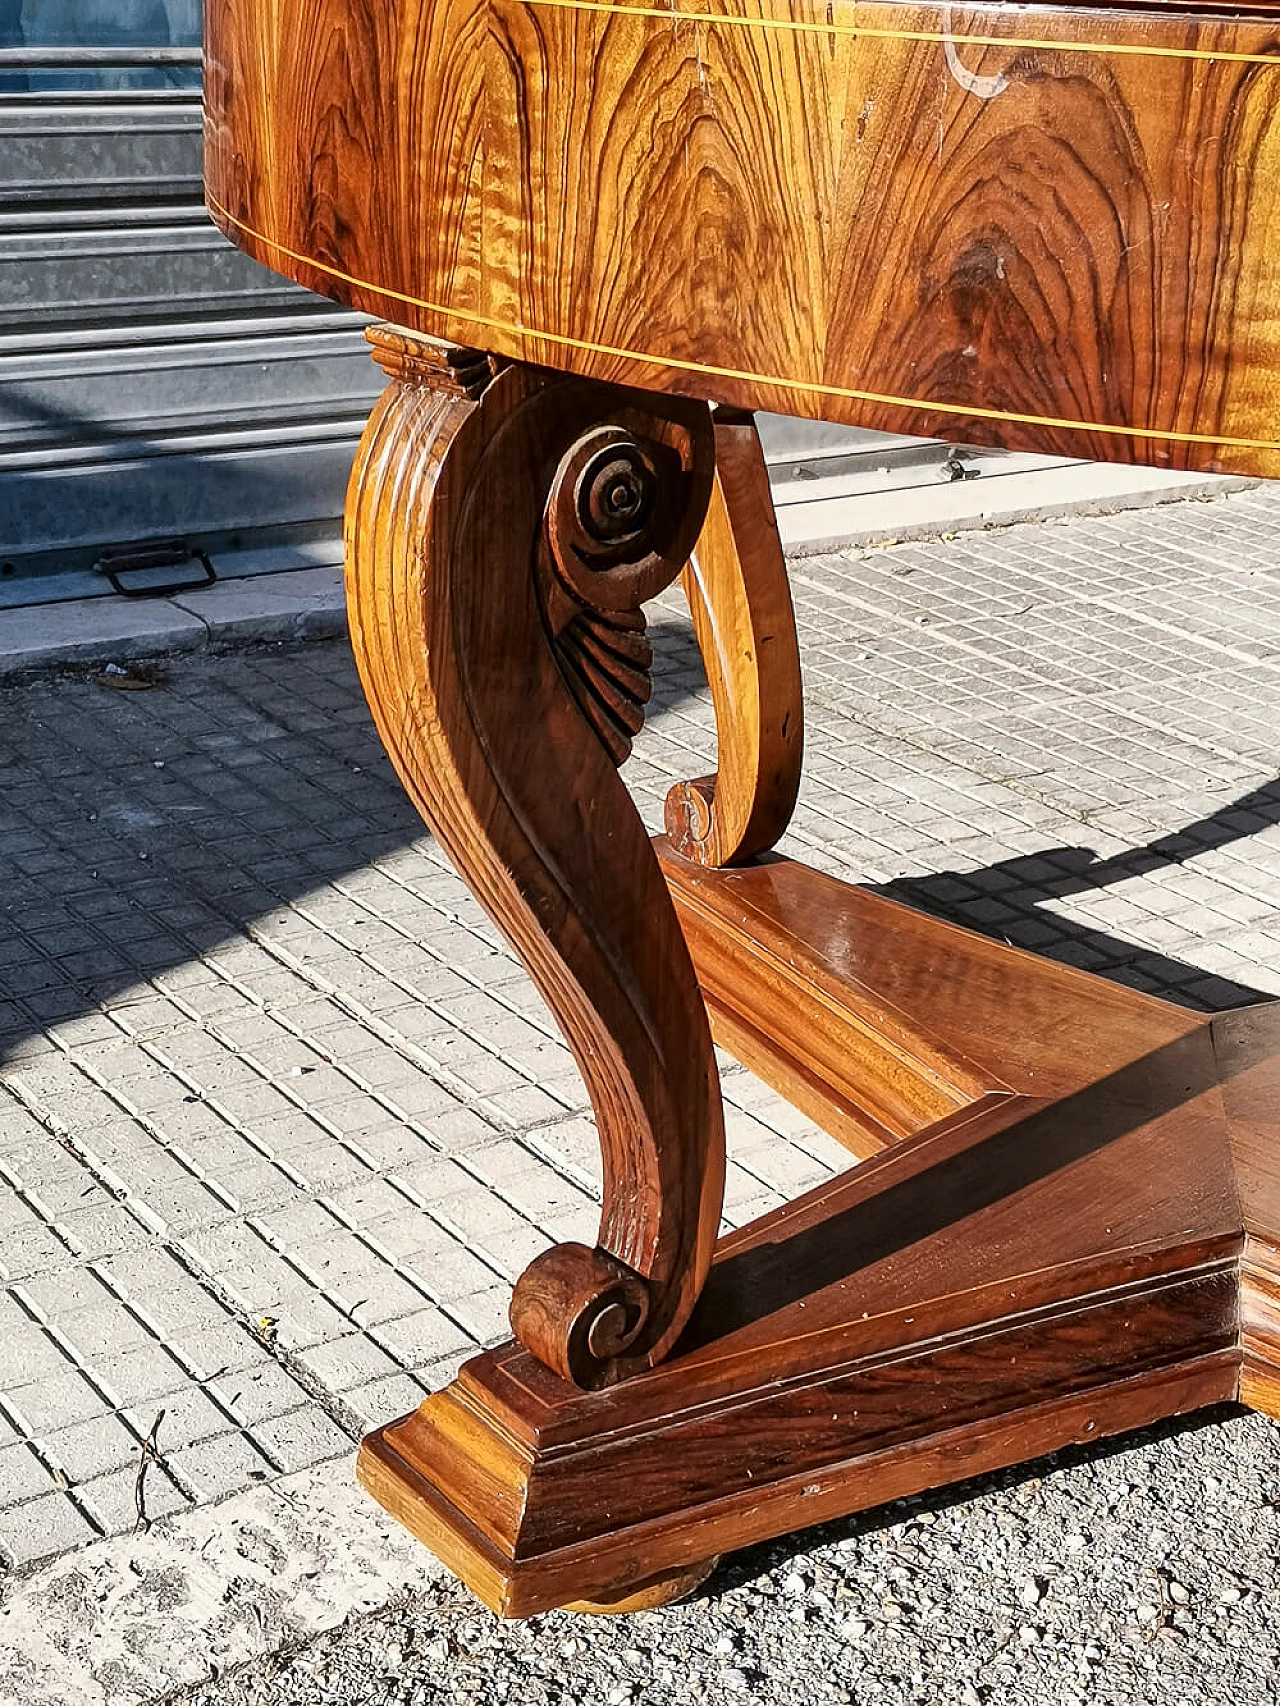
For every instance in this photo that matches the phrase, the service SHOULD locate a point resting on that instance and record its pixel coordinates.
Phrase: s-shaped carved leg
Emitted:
(503, 529)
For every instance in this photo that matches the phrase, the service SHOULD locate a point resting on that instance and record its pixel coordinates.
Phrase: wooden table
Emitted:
(1054, 227)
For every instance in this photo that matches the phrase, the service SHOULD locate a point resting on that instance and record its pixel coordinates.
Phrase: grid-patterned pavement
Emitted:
(281, 1120)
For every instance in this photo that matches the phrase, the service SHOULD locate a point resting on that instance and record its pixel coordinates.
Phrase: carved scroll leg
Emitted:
(736, 584)
(503, 530)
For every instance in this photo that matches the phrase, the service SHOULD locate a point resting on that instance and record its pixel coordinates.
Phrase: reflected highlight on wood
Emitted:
(1055, 227)
(736, 585)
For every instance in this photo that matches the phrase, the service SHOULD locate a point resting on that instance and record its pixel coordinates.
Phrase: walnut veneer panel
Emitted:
(1055, 227)
(344, 137)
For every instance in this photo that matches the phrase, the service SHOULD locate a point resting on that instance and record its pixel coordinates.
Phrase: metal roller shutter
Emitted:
(154, 382)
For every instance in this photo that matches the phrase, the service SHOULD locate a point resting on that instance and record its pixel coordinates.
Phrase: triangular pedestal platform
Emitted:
(1067, 1227)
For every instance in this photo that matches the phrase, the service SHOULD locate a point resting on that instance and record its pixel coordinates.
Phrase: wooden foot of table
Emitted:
(1068, 1224)
(666, 1589)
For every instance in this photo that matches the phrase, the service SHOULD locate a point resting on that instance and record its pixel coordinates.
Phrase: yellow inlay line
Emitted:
(805, 26)
(965, 411)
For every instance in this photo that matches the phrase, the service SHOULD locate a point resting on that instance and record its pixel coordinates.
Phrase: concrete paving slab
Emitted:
(127, 1620)
(281, 608)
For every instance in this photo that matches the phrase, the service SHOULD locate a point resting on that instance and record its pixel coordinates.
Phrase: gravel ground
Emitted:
(1144, 1570)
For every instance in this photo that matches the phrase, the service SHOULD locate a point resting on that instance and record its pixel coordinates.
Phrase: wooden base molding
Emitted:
(1069, 1231)
(660, 1590)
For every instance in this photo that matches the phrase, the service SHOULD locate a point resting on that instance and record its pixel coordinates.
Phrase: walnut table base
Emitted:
(1077, 1238)
(1066, 1217)
(1052, 227)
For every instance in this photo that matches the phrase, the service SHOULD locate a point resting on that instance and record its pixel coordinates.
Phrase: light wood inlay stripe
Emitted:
(964, 411)
(806, 26)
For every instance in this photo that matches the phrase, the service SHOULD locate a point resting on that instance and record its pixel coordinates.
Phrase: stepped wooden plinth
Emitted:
(1071, 1230)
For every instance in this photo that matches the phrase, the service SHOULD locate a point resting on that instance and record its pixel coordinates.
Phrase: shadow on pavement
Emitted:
(141, 829)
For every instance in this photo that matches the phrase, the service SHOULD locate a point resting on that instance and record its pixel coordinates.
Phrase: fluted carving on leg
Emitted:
(503, 529)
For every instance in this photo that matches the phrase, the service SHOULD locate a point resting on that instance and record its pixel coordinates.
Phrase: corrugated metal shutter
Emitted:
(154, 382)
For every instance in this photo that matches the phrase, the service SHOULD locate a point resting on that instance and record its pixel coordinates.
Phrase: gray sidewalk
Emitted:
(280, 1118)
(276, 608)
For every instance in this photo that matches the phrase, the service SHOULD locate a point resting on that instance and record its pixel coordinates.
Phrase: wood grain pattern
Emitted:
(480, 544)
(1023, 1273)
(761, 1442)
(339, 142)
(1055, 227)
(791, 996)
(1063, 1260)
(736, 585)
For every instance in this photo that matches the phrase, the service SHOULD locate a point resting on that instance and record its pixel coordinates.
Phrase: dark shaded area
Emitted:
(139, 829)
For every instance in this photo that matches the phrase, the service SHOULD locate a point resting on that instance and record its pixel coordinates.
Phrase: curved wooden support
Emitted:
(736, 584)
(503, 529)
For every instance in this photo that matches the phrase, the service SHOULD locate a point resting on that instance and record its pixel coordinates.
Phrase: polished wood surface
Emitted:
(876, 1019)
(1046, 1266)
(740, 601)
(502, 531)
(1055, 227)
(797, 972)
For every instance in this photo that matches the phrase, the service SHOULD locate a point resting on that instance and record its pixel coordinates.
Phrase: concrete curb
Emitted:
(288, 606)
(819, 526)
(302, 604)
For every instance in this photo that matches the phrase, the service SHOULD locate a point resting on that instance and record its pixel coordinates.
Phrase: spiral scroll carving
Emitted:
(612, 515)
(504, 527)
